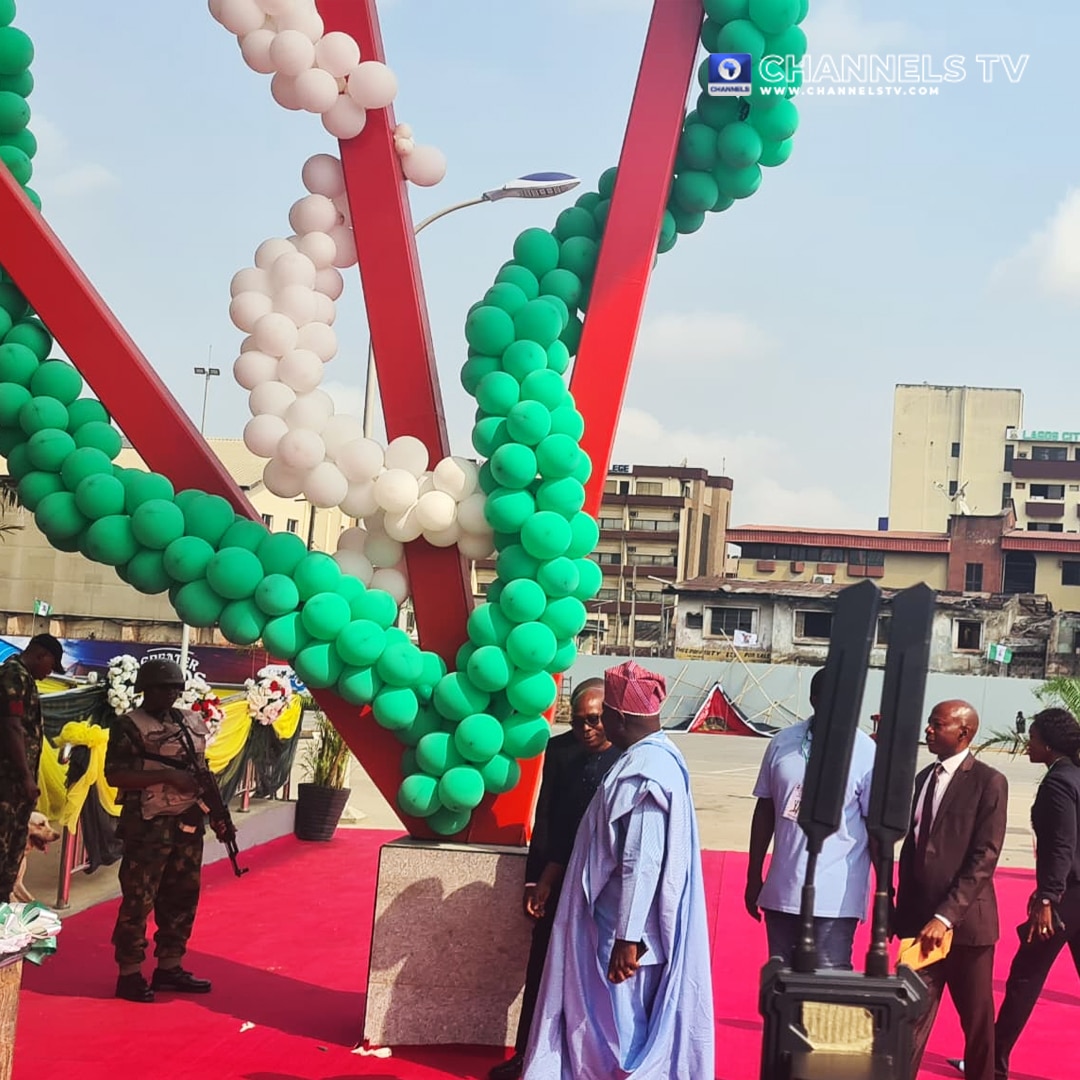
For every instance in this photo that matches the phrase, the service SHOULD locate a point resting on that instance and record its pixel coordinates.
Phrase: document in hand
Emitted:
(911, 952)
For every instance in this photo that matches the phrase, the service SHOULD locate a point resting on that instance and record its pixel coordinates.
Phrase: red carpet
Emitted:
(287, 949)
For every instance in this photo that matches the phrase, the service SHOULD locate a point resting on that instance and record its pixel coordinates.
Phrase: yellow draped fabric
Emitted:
(52, 779)
(231, 737)
(80, 733)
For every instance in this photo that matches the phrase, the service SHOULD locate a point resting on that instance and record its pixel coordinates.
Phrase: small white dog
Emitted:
(41, 835)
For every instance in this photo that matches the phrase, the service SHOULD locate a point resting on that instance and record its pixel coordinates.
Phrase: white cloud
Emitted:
(700, 339)
(837, 27)
(57, 174)
(1052, 253)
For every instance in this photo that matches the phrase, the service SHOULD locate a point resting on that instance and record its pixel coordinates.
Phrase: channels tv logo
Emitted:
(729, 73)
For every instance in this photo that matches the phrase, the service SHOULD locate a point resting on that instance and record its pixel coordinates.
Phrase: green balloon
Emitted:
(508, 509)
(457, 697)
(526, 736)
(436, 753)
(285, 636)
(515, 274)
(741, 36)
(546, 535)
(42, 414)
(513, 465)
(98, 434)
(146, 572)
(31, 332)
(277, 595)
(325, 615)
(141, 487)
(698, 146)
(590, 579)
(522, 601)
(242, 622)
(427, 722)
(418, 795)
(361, 642)
(49, 449)
(475, 368)
(17, 362)
(57, 379)
(111, 540)
(557, 456)
(196, 603)
(156, 522)
(738, 183)
(776, 153)
(567, 421)
(316, 573)
(558, 352)
(14, 113)
(775, 119)
(774, 16)
(695, 192)
(400, 664)
(575, 221)
(584, 535)
(99, 495)
(531, 646)
(13, 396)
(564, 657)
(537, 250)
(686, 223)
(489, 434)
(24, 140)
(11, 439)
(187, 558)
(377, 606)
(558, 577)
(498, 392)
(235, 573)
(245, 533)
(358, 686)
(566, 617)
(18, 458)
(725, 10)
(501, 774)
(547, 387)
(395, 707)
(318, 665)
(506, 295)
(185, 498)
(207, 517)
(791, 42)
(515, 562)
(606, 184)
(489, 329)
(488, 668)
(461, 788)
(21, 84)
(280, 553)
(538, 321)
(710, 30)
(740, 145)
(523, 358)
(487, 625)
(578, 254)
(447, 822)
(83, 462)
(16, 51)
(34, 486)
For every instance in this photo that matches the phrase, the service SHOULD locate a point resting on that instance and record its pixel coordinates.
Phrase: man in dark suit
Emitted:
(575, 763)
(946, 883)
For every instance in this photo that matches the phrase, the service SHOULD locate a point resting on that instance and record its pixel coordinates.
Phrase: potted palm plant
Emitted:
(321, 801)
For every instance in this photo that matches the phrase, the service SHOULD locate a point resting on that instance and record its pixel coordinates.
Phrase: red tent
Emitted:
(719, 715)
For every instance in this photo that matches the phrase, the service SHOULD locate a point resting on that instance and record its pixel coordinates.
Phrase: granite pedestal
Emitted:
(449, 945)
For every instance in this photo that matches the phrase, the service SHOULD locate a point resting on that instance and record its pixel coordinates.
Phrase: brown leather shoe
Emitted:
(134, 987)
(179, 981)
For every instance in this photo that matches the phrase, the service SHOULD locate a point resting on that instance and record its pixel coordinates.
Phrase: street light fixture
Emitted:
(542, 185)
(208, 373)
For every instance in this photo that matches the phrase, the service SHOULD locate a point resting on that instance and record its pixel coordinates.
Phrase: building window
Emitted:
(1006, 495)
(865, 558)
(1010, 451)
(268, 520)
(1070, 573)
(973, 575)
(815, 625)
(1047, 491)
(611, 487)
(292, 525)
(833, 555)
(968, 635)
(724, 621)
(1045, 526)
(694, 620)
(649, 487)
(952, 487)
(1049, 453)
(607, 558)
(955, 452)
(624, 487)
(881, 637)
(611, 524)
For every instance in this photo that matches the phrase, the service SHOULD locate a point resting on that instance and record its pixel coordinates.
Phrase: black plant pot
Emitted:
(318, 811)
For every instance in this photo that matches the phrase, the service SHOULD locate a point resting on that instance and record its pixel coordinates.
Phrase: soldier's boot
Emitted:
(134, 987)
(179, 981)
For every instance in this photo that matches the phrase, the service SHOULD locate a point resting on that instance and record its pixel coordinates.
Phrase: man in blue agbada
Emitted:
(627, 988)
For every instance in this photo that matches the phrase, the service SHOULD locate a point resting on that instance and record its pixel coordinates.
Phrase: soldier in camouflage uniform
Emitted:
(161, 828)
(20, 748)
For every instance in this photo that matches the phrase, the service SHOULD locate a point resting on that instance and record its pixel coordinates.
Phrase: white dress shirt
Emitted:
(948, 770)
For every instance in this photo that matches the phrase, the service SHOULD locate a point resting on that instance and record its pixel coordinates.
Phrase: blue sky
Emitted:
(907, 239)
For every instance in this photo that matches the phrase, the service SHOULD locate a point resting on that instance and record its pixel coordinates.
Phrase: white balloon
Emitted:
(425, 166)
(249, 280)
(329, 281)
(323, 175)
(435, 511)
(320, 339)
(426, 484)
(240, 16)
(444, 538)
(360, 502)
(248, 345)
(360, 460)
(292, 52)
(372, 85)
(353, 539)
(316, 90)
(301, 369)
(345, 243)
(470, 513)
(282, 481)
(248, 308)
(268, 253)
(313, 213)
(252, 368)
(396, 490)
(344, 119)
(292, 268)
(275, 334)
(457, 476)
(382, 550)
(393, 582)
(263, 433)
(302, 18)
(341, 428)
(215, 9)
(325, 486)
(283, 91)
(297, 302)
(403, 527)
(255, 49)
(318, 246)
(308, 412)
(356, 564)
(337, 53)
(301, 449)
(271, 397)
(325, 310)
(274, 8)
(409, 453)
(476, 545)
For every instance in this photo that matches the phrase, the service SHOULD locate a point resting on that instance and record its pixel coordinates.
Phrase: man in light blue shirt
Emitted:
(843, 870)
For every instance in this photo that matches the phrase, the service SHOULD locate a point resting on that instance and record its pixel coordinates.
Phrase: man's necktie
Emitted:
(927, 819)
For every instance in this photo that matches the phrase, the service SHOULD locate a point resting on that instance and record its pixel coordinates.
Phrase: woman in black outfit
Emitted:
(1054, 908)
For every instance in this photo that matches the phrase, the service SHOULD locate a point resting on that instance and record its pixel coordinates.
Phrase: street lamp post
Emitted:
(663, 627)
(533, 186)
